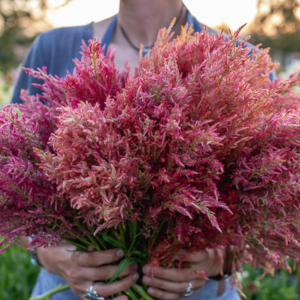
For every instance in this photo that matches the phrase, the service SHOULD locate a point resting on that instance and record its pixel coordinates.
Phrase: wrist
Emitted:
(226, 266)
(34, 256)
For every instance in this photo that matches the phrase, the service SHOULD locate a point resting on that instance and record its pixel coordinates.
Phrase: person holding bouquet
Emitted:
(137, 23)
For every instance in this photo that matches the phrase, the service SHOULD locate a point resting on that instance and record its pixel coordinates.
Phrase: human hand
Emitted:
(82, 269)
(167, 284)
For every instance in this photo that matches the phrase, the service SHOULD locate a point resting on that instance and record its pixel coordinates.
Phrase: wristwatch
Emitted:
(220, 277)
(34, 259)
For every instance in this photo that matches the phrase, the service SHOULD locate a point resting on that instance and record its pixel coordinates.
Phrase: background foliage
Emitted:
(17, 274)
(282, 286)
(20, 22)
(277, 25)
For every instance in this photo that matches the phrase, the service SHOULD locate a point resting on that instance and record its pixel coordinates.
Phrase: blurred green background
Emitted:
(17, 274)
(276, 25)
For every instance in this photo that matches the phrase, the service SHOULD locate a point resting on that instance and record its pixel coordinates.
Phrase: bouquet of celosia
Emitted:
(197, 150)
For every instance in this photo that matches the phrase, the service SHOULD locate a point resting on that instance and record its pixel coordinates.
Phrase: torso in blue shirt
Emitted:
(56, 49)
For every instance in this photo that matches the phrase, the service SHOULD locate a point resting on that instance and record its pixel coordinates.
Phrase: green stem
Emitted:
(134, 238)
(101, 243)
(141, 291)
(156, 234)
(122, 233)
(93, 241)
(47, 295)
(72, 233)
(79, 238)
(131, 294)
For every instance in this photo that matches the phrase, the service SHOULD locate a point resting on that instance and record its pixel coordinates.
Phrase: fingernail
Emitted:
(147, 270)
(135, 276)
(147, 279)
(120, 253)
(151, 291)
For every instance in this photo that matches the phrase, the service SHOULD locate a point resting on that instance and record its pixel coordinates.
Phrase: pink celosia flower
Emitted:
(197, 149)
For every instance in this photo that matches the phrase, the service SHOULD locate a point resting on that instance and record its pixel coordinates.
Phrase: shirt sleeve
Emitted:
(33, 60)
(54, 49)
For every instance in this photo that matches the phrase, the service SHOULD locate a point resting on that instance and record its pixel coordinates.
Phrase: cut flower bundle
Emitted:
(198, 149)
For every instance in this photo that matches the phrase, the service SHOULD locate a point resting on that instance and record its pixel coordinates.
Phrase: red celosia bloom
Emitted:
(267, 178)
(29, 204)
(195, 150)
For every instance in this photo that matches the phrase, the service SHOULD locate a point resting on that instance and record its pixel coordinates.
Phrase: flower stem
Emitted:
(72, 233)
(98, 239)
(156, 234)
(47, 295)
(122, 234)
(94, 243)
(142, 292)
(100, 242)
(134, 237)
(131, 294)
(90, 237)
(79, 238)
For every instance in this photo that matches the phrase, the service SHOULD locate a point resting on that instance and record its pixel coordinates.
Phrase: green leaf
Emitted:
(114, 242)
(132, 230)
(125, 263)
(137, 252)
(140, 254)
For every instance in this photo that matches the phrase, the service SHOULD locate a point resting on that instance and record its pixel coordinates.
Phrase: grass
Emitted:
(283, 286)
(18, 275)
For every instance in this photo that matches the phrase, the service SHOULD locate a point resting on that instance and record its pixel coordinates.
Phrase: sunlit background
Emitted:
(214, 12)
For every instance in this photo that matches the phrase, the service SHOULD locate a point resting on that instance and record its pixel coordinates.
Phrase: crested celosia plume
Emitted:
(266, 176)
(198, 149)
